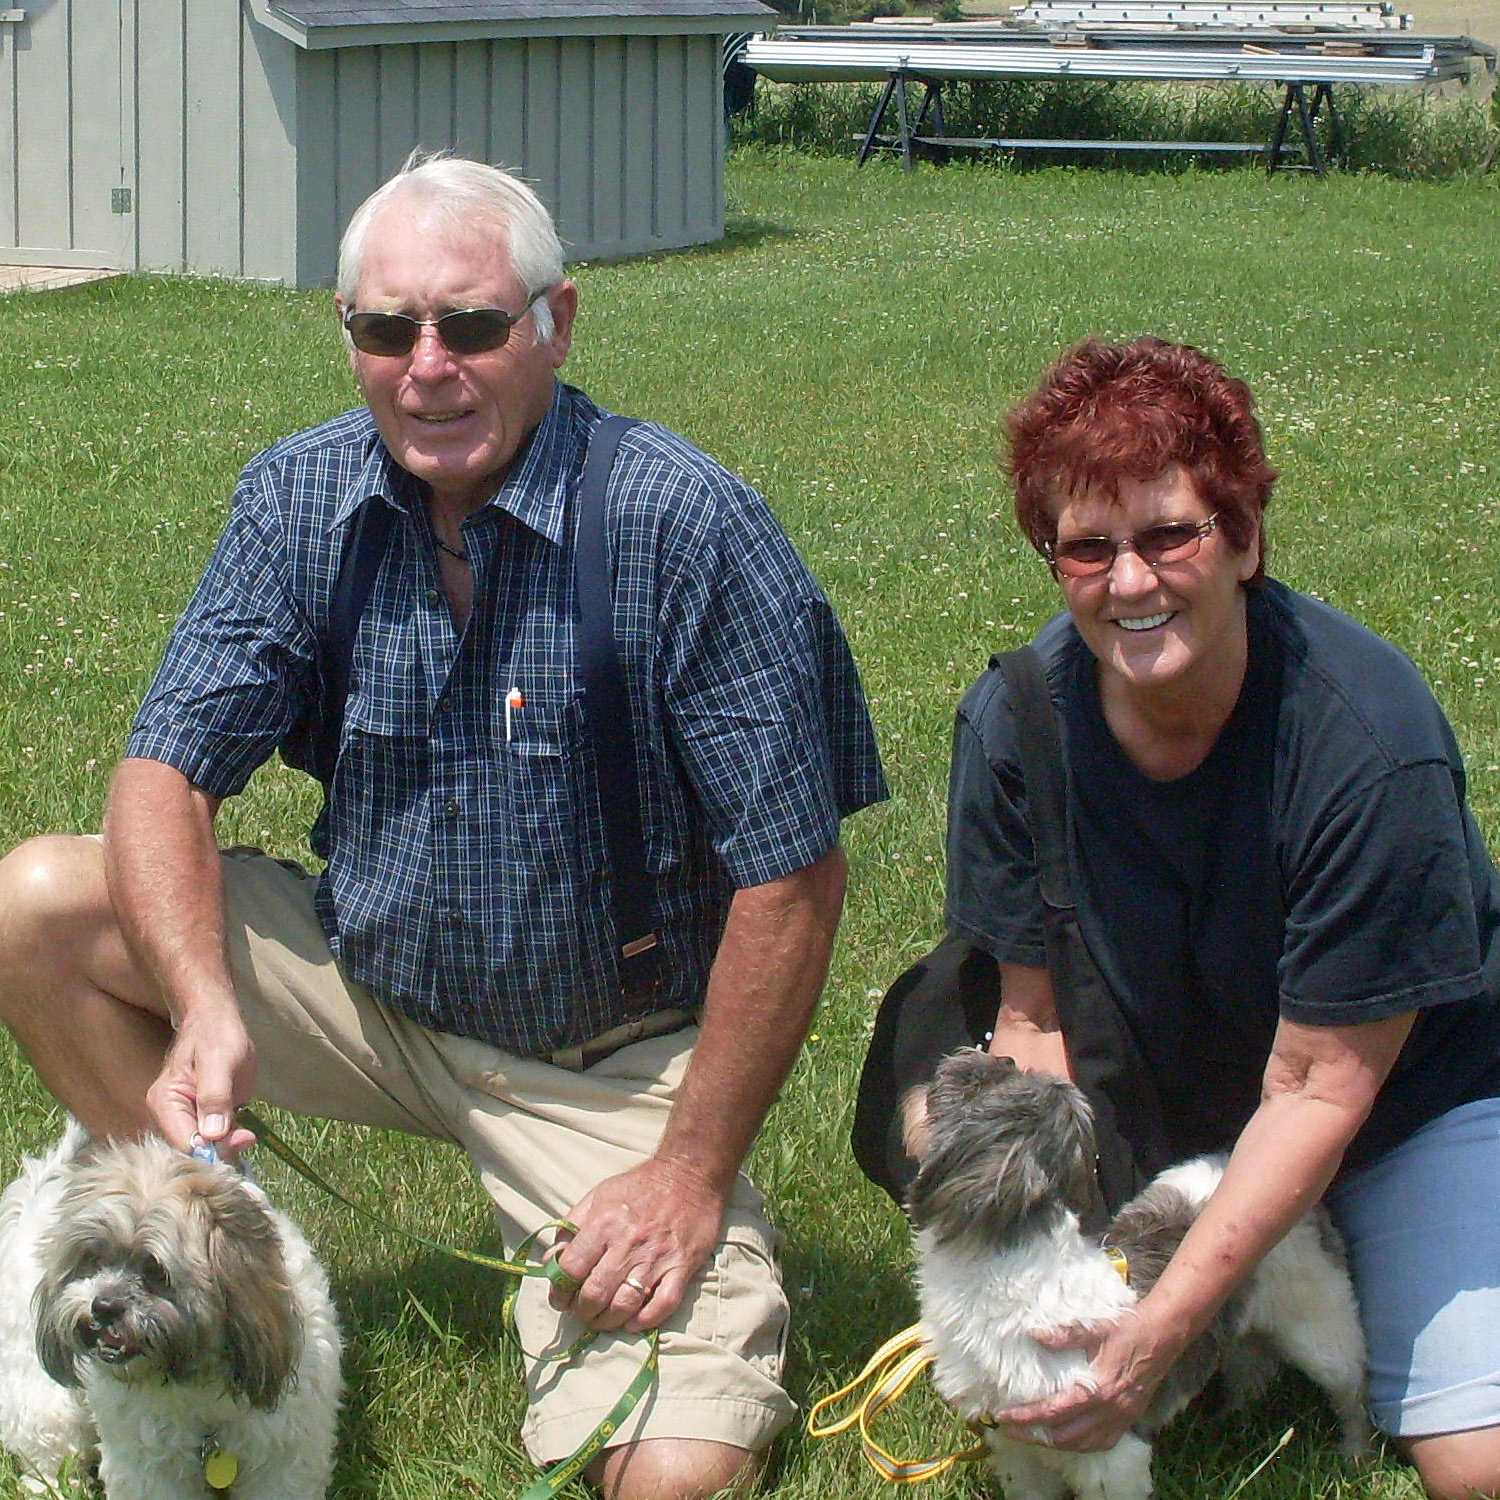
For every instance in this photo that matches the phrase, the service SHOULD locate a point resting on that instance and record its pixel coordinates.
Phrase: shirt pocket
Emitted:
(382, 771)
(534, 793)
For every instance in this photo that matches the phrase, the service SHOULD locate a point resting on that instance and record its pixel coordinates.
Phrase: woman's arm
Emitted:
(1026, 1025)
(1318, 1088)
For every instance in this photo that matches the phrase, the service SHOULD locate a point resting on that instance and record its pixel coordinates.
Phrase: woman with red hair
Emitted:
(1278, 880)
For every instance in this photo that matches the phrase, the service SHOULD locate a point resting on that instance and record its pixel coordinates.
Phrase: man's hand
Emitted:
(208, 1073)
(642, 1237)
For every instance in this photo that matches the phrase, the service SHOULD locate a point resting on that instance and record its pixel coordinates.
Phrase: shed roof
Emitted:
(318, 24)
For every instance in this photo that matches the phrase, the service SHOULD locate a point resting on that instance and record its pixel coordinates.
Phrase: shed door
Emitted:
(67, 132)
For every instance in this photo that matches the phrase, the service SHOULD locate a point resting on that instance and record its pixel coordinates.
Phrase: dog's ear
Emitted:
(964, 1076)
(60, 1250)
(262, 1322)
(54, 1347)
(1065, 1145)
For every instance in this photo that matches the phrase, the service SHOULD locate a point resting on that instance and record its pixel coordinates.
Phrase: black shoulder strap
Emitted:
(1042, 771)
(363, 554)
(1132, 1140)
(607, 710)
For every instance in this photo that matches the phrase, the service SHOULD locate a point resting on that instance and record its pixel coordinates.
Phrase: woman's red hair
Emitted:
(1107, 412)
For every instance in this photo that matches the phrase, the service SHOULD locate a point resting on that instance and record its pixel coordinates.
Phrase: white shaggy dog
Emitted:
(158, 1316)
(1006, 1169)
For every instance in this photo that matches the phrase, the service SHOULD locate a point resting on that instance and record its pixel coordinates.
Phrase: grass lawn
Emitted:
(850, 348)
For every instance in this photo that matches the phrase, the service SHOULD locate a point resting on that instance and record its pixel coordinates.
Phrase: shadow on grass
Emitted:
(739, 234)
(844, 1307)
(430, 1310)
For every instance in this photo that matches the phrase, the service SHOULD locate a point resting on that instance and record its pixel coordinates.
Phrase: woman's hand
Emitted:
(1319, 1085)
(1127, 1363)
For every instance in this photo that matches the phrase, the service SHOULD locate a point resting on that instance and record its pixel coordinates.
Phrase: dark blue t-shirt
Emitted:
(1320, 864)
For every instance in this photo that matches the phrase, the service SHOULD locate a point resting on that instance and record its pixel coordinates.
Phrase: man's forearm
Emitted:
(769, 972)
(162, 865)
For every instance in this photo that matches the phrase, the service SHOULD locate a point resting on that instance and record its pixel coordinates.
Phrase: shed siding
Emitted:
(362, 109)
(180, 103)
(213, 174)
(162, 141)
(244, 154)
(320, 136)
(267, 150)
(94, 158)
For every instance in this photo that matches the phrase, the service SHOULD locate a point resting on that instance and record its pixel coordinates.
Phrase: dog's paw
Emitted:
(1356, 1436)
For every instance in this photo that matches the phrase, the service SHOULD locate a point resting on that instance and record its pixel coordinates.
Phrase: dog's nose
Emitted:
(105, 1308)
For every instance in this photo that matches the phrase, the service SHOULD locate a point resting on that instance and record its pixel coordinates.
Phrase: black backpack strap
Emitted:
(1131, 1137)
(1042, 770)
(610, 726)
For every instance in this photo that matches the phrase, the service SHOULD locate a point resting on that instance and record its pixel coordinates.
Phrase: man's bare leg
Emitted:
(674, 1469)
(81, 1009)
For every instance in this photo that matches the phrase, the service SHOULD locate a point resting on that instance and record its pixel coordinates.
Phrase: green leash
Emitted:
(522, 1266)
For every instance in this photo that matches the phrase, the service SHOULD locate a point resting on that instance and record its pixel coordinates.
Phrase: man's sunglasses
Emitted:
(1083, 556)
(475, 331)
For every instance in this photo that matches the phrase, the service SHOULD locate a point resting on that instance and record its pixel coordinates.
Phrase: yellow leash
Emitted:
(887, 1376)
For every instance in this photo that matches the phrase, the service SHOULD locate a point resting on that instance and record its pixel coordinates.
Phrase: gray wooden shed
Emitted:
(235, 137)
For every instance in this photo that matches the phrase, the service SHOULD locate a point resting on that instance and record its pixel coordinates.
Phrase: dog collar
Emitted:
(1119, 1260)
(220, 1467)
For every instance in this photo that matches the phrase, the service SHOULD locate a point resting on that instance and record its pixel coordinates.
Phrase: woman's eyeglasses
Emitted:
(475, 331)
(1175, 541)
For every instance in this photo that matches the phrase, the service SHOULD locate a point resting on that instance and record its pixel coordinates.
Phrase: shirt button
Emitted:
(455, 916)
(451, 808)
(434, 598)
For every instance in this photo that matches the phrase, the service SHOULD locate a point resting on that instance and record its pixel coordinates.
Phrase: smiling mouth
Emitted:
(437, 418)
(1146, 622)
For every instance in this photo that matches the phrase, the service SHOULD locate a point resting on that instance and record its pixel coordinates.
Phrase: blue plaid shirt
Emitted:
(467, 881)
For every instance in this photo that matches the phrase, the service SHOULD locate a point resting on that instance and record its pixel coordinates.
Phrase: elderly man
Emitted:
(454, 971)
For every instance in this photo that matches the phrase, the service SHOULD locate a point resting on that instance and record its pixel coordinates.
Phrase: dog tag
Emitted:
(220, 1469)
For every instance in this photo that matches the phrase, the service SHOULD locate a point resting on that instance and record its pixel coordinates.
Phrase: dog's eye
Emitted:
(154, 1275)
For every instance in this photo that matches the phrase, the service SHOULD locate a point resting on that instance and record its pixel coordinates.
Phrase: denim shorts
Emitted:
(1423, 1228)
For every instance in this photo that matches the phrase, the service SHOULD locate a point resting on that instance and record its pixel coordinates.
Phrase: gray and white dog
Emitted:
(1006, 1171)
(158, 1316)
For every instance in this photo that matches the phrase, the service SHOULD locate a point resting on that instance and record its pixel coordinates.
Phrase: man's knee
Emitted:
(1458, 1465)
(52, 878)
(54, 905)
(674, 1469)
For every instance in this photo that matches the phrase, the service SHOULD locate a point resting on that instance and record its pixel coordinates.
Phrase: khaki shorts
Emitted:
(539, 1136)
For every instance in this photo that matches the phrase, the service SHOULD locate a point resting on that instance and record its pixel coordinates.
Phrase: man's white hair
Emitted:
(459, 196)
